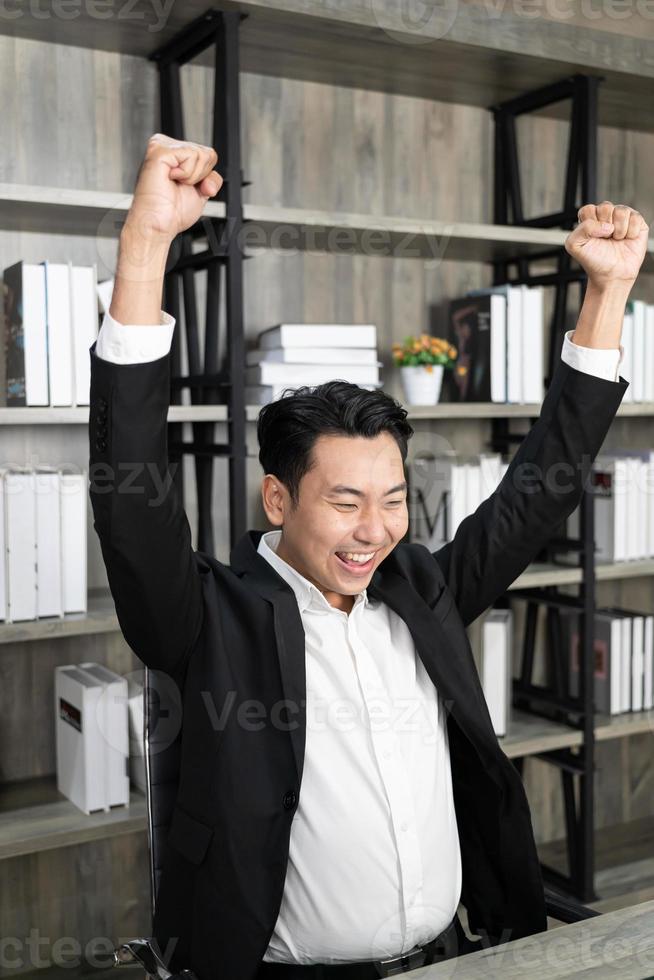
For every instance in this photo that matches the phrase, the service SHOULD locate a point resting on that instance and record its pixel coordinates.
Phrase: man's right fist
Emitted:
(174, 182)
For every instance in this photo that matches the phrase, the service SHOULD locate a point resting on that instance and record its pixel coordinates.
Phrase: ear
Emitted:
(273, 499)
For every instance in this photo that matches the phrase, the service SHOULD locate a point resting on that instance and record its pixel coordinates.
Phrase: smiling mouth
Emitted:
(354, 565)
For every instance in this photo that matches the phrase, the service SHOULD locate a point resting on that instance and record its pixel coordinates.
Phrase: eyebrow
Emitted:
(359, 493)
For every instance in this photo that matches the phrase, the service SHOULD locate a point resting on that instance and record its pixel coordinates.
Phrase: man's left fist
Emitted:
(609, 242)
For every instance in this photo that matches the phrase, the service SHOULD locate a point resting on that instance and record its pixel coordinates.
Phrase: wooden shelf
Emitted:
(35, 817)
(542, 574)
(102, 213)
(100, 618)
(461, 53)
(80, 415)
(624, 725)
(529, 734)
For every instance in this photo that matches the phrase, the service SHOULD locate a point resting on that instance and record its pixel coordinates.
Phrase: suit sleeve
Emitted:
(541, 487)
(143, 530)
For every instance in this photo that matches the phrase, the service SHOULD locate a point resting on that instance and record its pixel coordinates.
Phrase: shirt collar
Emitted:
(306, 592)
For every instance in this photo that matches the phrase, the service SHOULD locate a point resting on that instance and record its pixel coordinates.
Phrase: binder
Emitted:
(113, 719)
(78, 739)
(59, 331)
(48, 542)
(496, 672)
(84, 322)
(73, 494)
(20, 543)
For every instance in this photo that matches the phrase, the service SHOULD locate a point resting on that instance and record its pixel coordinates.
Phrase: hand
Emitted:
(611, 254)
(174, 183)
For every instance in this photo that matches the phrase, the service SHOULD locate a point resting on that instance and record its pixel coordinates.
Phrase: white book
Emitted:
(611, 480)
(137, 773)
(627, 341)
(271, 373)
(263, 394)
(49, 585)
(114, 728)
(625, 673)
(313, 355)
(73, 496)
(637, 663)
(78, 740)
(491, 473)
(514, 327)
(3, 551)
(319, 335)
(472, 476)
(498, 348)
(60, 336)
(457, 504)
(639, 350)
(649, 353)
(26, 342)
(532, 344)
(648, 663)
(496, 673)
(84, 319)
(20, 543)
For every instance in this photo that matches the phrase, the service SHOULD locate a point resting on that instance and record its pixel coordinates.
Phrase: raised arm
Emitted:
(545, 480)
(142, 527)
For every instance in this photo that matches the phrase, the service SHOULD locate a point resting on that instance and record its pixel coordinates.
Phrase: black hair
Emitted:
(289, 426)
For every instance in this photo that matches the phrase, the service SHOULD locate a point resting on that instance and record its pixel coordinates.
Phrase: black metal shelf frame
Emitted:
(552, 699)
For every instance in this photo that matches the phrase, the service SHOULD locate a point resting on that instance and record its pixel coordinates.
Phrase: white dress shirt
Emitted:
(374, 859)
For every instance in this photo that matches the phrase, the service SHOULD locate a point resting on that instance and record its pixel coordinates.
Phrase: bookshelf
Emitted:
(475, 62)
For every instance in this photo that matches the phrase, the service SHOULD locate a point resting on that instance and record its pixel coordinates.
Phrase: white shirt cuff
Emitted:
(592, 360)
(134, 343)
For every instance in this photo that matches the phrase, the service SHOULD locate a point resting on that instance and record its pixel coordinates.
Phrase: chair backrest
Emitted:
(162, 734)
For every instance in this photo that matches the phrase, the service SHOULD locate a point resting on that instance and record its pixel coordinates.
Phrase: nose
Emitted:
(371, 530)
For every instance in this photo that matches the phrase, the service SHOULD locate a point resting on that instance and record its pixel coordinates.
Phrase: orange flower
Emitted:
(461, 370)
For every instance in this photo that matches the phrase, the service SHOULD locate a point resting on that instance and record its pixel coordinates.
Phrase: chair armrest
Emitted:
(146, 952)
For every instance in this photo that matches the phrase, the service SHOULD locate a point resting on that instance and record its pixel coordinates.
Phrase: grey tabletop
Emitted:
(615, 946)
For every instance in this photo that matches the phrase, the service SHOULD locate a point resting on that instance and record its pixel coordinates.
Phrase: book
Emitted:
(318, 335)
(20, 543)
(496, 670)
(313, 355)
(84, 326)
(114, 729)
(79, 747)
(137, 772)
(73, 492)
(533, 354)
(477, 328)
(274, 373)
(514, 337)
(59, 332)
(608, 640)
(49, 584)
(26, 352)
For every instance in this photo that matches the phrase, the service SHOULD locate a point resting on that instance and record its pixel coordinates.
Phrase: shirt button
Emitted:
(290, 799)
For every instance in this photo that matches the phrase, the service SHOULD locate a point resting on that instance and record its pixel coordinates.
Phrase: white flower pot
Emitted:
(422, 387)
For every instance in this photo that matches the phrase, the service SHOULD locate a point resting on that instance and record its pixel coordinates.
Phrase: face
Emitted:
(351, 502)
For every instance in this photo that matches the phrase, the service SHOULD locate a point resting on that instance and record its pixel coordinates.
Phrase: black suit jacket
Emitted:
(231, 636)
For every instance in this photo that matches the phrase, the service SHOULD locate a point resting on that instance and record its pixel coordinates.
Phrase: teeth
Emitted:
(351, 556)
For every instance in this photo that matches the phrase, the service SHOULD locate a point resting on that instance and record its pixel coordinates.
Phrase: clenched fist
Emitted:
(609, 242)
(175, 181)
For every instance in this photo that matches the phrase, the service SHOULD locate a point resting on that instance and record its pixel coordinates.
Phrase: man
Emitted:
(332, 846)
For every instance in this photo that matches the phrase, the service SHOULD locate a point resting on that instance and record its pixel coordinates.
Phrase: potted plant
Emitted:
(422, 361)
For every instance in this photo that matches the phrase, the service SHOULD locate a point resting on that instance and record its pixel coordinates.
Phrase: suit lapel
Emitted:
(289, 634)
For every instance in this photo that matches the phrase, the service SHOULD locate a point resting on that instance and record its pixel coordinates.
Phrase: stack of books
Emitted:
(623, 487)
(499, 335)
(91, 736)
(623, 655)
(638, 343)
(42, 542)
(293, 354)
(51, 320)
(444, 488)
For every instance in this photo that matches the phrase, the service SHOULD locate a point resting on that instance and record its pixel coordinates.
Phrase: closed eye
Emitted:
(391, 503)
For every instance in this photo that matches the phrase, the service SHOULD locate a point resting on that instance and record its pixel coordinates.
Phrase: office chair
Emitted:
(162, 712)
